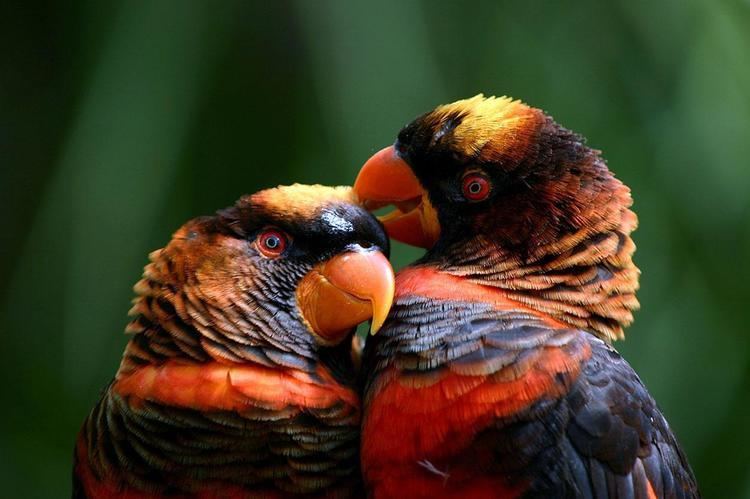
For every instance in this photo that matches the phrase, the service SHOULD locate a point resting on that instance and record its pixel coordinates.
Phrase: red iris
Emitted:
(272, 243)
(476, 187)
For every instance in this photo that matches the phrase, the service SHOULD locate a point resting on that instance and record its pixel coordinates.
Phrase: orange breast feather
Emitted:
(410, 426)
(233, 387)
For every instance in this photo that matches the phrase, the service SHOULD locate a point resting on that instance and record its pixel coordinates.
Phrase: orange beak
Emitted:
(344, 291)
(387, 179)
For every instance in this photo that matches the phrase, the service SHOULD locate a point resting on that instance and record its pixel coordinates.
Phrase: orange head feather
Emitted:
(503, 195)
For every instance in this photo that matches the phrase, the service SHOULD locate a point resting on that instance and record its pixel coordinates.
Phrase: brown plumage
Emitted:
(237, 380)
(491, 372)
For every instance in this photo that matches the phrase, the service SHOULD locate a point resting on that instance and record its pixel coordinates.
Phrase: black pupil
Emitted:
(273, 242)
(475, 187)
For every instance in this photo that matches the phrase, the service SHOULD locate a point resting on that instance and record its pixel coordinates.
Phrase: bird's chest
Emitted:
(436, 414)
(464, 423)
(422, 440)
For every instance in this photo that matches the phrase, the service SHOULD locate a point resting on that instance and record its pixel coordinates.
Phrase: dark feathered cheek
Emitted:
(271, 280)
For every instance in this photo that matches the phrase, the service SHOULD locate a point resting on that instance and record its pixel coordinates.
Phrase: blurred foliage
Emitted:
(121, 120)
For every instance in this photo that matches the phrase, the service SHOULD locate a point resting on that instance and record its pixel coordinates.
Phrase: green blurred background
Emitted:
(121, 120)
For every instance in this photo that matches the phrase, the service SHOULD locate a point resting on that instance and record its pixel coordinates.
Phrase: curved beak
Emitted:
(386, 179)
(346, 290)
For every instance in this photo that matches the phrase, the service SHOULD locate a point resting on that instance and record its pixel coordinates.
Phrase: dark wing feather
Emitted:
(617, 429)
(609, 433)
(603, 437)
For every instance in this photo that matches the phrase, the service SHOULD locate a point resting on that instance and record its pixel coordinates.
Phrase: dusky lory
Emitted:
(238, 378)
(494, 375)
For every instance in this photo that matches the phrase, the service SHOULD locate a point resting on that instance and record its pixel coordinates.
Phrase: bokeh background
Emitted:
(121, 120)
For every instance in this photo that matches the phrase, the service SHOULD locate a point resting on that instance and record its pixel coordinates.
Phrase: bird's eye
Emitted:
(272, 243)
(476, 186)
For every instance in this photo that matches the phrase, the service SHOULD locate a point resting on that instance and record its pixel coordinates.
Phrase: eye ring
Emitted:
(272, 242)
(476, 186)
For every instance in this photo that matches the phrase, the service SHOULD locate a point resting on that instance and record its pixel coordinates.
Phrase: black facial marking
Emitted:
(328, 230)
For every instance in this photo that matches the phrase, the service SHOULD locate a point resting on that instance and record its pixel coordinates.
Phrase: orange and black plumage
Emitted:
(493, 376)
(238, 378)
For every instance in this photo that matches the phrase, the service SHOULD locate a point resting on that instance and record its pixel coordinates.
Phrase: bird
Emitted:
(494, 374)
(237, 380)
